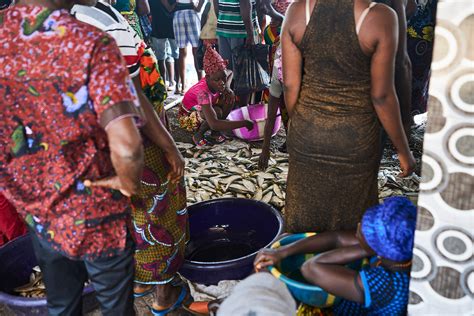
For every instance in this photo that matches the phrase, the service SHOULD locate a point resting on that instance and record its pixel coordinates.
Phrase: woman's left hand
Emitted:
(228, 96)
(176, 161)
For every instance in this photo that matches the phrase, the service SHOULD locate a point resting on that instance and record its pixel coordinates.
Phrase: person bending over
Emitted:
(207, 104)
(384, 236)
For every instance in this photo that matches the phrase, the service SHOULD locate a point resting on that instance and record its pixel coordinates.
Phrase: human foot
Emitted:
(142, 290)
(168, 299)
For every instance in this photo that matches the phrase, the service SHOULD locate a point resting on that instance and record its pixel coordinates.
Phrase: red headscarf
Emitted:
(213, 62)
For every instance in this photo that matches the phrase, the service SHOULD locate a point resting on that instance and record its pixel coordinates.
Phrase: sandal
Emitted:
(216, 140)
(200, 144)
(177, 304)
(144, 293)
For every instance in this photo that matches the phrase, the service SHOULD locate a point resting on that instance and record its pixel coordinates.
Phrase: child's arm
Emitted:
(314, 244)
(216, 124)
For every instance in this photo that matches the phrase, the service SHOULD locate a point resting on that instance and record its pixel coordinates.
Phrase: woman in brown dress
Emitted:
(339, 90)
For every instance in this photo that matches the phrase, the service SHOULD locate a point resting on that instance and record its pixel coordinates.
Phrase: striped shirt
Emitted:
(230, 23)
(105, 17)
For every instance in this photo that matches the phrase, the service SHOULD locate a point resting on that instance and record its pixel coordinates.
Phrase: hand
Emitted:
(110, 183)
(407, 164)
(228, 96)
(263, 161)
(266, 258)
(176, 161)
(249, 124)
(249, 41)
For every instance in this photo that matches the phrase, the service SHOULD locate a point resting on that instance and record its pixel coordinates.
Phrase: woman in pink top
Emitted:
(207, 104)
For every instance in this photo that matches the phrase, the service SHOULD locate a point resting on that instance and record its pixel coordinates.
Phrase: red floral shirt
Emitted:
(57, 76)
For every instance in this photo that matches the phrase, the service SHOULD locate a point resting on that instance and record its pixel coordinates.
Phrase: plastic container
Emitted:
(288, 271)
(17, 261)
(225, 227)
(257, 113)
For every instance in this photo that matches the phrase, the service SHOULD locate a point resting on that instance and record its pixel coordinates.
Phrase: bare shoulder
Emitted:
(383, 15)
(295, 19)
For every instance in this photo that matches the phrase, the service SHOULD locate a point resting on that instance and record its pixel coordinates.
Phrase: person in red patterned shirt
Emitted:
(70, 151)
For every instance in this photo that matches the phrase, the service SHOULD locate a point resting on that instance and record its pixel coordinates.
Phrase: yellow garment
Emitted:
(209, 29)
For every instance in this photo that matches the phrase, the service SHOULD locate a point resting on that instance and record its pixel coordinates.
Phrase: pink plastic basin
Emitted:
(257, 113)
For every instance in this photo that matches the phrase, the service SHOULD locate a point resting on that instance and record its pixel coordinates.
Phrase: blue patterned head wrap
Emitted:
(389, 228)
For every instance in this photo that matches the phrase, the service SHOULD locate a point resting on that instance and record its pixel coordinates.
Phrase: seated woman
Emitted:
(207, 104)
(385, 235)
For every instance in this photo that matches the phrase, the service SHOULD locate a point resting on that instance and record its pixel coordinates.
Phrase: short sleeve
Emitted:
(129, 44)
(204, 98)
(110, 86)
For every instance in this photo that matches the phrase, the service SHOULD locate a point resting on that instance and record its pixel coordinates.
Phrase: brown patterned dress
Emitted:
(334, 134)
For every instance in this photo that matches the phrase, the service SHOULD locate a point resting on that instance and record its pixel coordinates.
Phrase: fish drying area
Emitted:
(230, 170)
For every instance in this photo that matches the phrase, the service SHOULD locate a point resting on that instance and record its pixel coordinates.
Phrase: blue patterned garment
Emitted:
(386, 293)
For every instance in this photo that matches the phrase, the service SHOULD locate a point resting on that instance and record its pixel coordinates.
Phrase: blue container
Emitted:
(226, 235)
(17, 261)
(288, 271)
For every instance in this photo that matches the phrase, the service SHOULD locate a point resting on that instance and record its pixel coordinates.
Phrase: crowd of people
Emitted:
(88, 161)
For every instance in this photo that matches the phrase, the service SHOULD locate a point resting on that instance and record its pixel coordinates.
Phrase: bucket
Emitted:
(257, 113)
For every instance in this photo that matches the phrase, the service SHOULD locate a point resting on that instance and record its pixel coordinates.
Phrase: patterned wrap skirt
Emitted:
(159, 215)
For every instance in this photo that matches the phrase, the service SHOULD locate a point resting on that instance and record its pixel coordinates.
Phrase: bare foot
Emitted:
(166, 296)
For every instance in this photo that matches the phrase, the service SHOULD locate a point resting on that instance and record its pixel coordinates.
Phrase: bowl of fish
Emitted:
(22, 290)
(226, 235)
(288, 271)
(257, 113)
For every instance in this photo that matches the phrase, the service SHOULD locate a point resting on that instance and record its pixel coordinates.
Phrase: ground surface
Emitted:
(389, 183)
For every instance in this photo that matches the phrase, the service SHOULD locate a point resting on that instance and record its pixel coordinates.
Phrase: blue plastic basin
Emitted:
(222, 229)
(17, 261)
(288, 271)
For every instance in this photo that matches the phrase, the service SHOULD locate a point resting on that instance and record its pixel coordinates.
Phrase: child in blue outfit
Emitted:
(385, 236)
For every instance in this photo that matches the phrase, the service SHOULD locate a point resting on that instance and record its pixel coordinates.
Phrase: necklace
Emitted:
(402, 266)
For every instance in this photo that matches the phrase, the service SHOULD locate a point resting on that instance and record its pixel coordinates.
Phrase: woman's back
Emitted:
(336, 73)
(334, 136)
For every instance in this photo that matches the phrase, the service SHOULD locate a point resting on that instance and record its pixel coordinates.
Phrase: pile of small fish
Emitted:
(35, 288)
(231, 170)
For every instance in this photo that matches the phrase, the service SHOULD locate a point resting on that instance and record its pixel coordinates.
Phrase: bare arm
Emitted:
(273, 105)
(291, 56)
(383, 93)
(265, 8)
(314, 244)
(403, 66)
(126, 153)
(335, 278)
(158, 134)
(222, 125)
(246, 13)
(143, 7)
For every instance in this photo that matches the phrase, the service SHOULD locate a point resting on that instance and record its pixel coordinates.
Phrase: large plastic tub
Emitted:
(257, 113)
(17, 261)
(226, 235)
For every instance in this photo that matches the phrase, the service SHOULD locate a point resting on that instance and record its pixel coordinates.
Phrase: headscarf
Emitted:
(213, 62)
(389, 228)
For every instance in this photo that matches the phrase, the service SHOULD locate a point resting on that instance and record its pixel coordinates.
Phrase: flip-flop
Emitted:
(145, 293)
(177, 304)
(200, 144)
(216, 140)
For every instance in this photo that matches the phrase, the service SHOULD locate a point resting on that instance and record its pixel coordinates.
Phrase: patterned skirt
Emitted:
(159, 214)
(190, 120)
